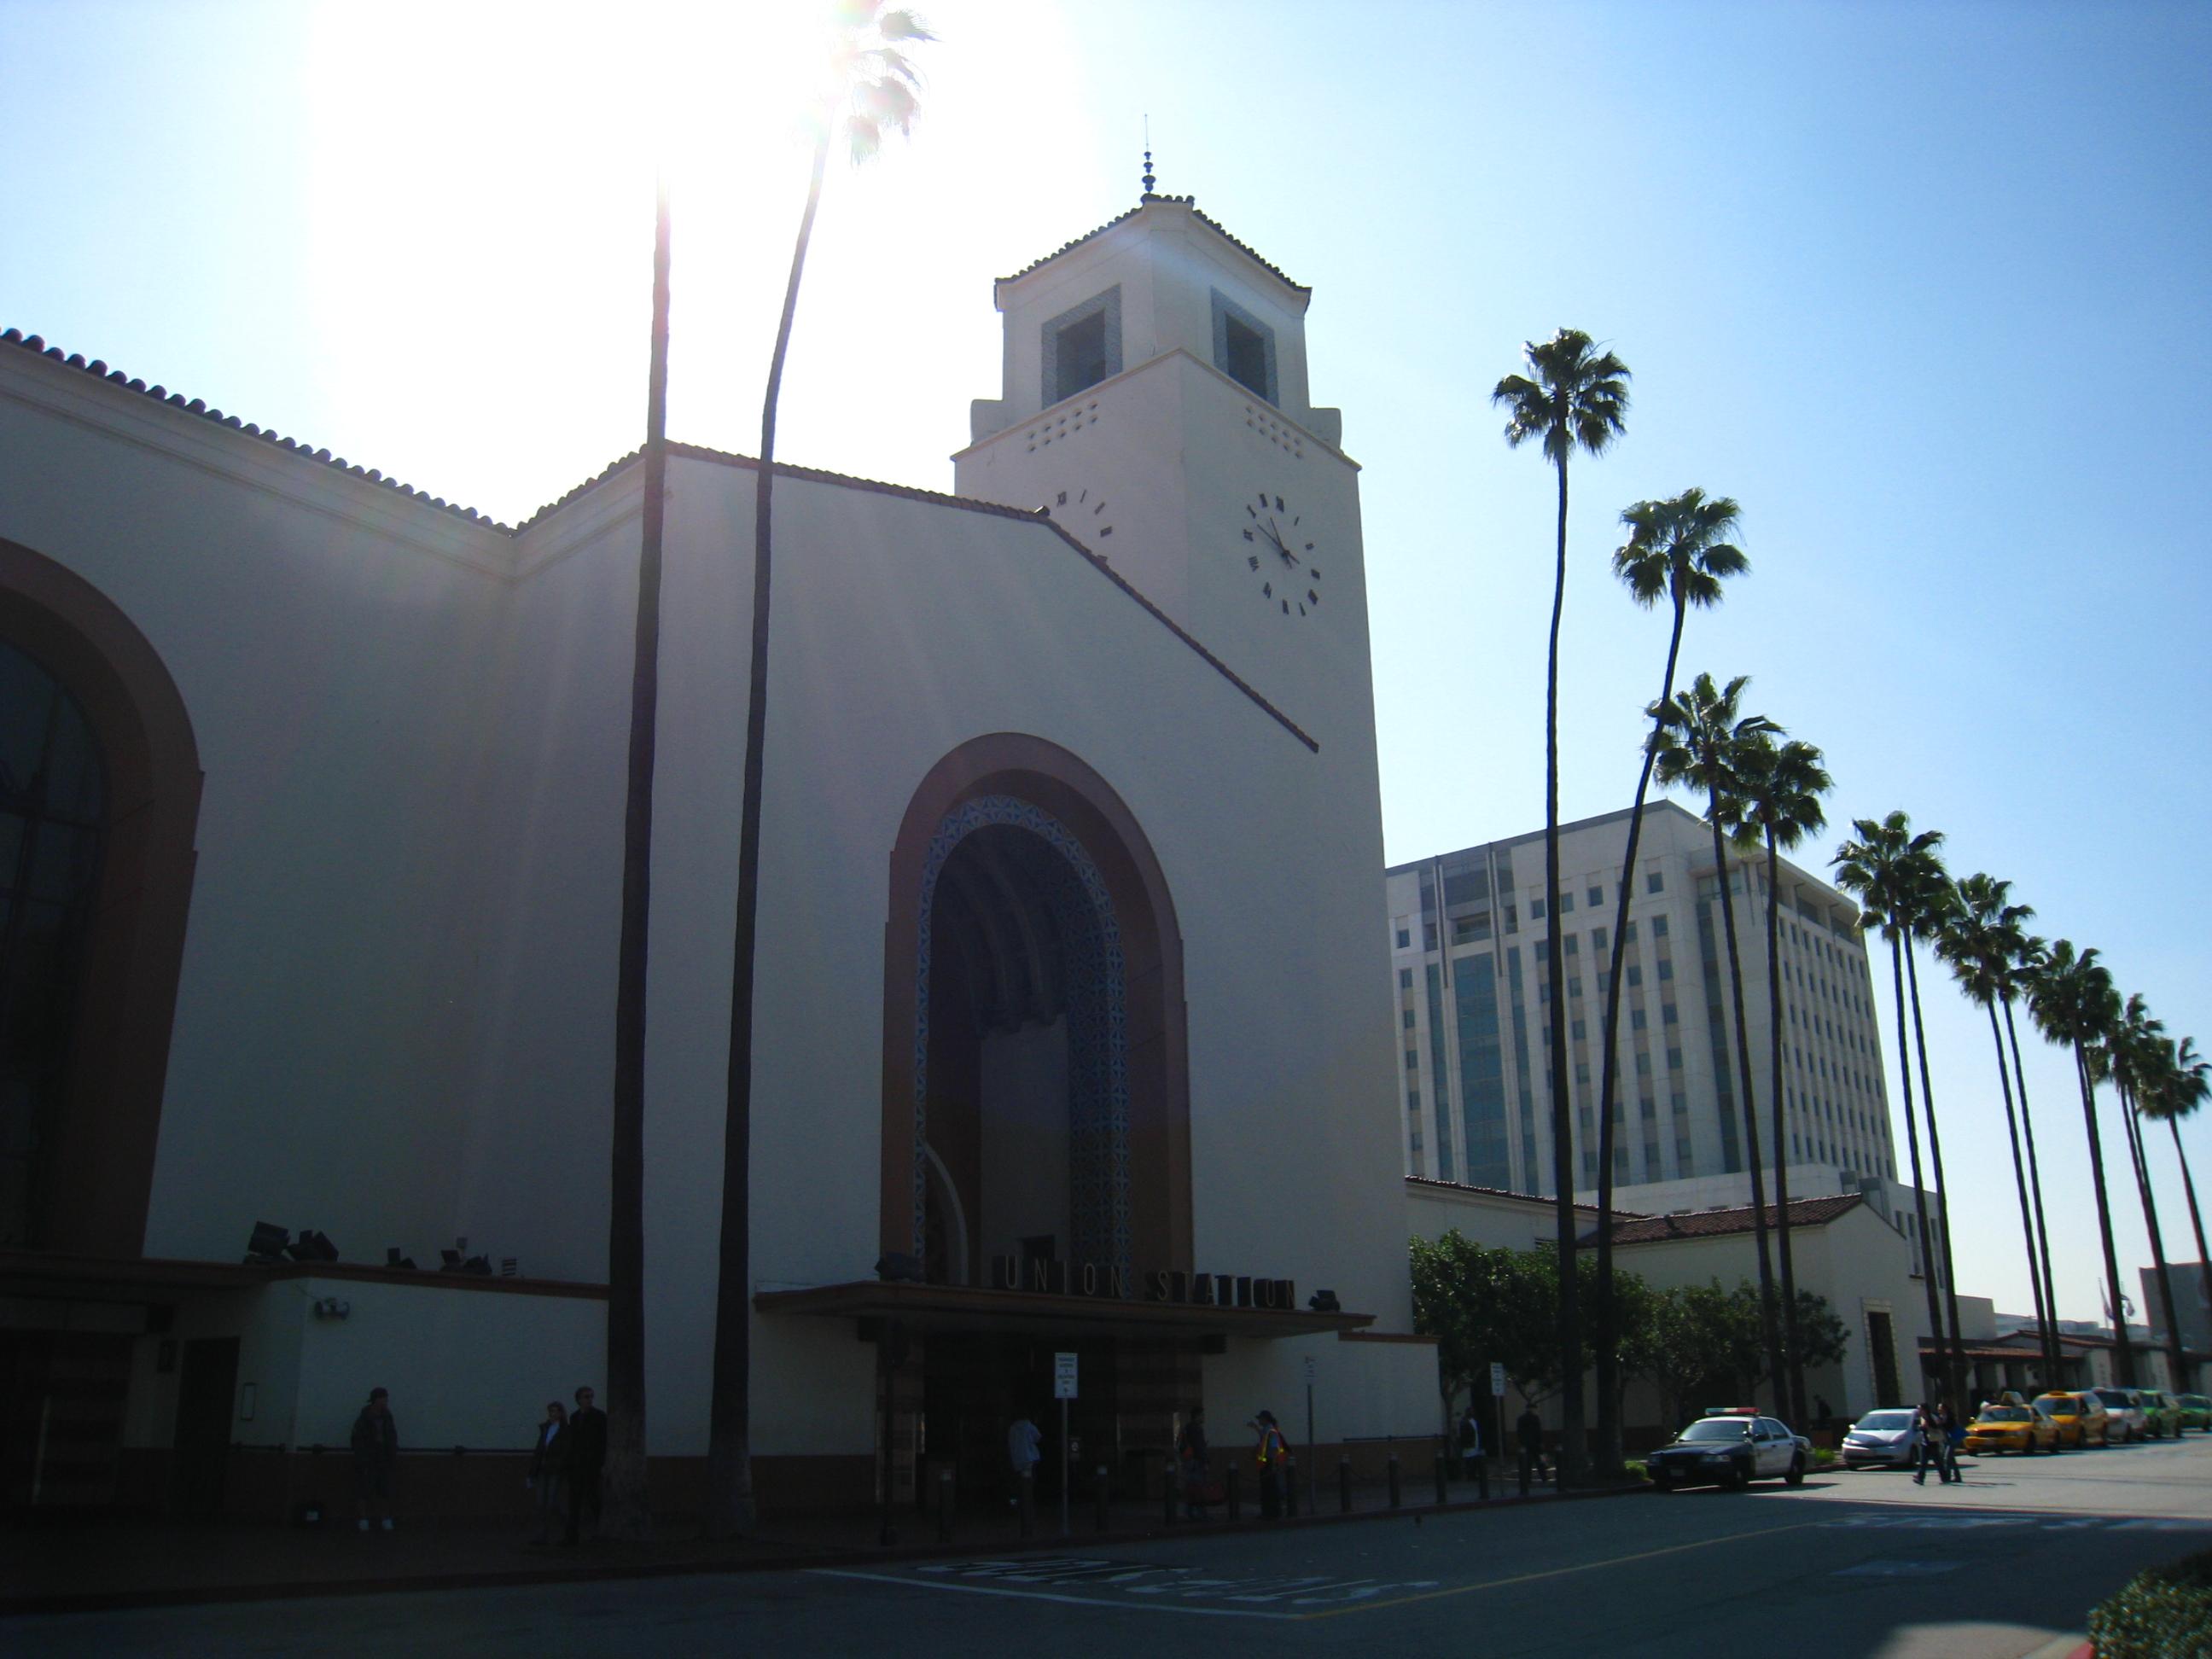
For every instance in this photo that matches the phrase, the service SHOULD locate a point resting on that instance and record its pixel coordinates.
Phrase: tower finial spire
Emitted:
(1149, 179)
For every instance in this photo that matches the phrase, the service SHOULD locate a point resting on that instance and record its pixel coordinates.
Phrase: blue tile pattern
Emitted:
(1097, 1026)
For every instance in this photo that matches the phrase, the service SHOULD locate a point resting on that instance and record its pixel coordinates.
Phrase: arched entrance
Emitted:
(102, 784)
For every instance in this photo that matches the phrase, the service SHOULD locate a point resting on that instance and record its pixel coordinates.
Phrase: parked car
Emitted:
(1880, 1439)
(1731, 1447)
(2024, 1429)
(2196, 1410)
(2081, 1418)
(2126, 1412)
(2160, 1416)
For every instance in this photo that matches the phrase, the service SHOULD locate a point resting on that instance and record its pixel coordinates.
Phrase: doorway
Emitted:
(205, 1388)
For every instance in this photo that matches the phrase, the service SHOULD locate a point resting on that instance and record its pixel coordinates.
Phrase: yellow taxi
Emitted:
(2012, 1428)
(2081, 1419)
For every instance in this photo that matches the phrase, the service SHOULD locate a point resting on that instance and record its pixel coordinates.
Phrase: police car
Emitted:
(1731, 1446)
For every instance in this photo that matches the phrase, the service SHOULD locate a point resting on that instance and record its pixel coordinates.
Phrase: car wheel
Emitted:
(1796, 1475)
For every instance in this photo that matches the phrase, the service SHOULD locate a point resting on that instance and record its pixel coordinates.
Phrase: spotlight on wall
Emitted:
(312, 1246)
(1324, 1302)
(896, 1268)
(328, 1307)
(266, 1247)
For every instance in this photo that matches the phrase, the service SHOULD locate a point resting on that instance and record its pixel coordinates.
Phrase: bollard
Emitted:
(1170, 1490)
(1228, 1483)
(1524, 1471)
(944, 1506)
(1026, 1503)
(1397, 1497)
(1104, 1498)
(1291, 1486)
(1344, 1485)
(1443, 1479)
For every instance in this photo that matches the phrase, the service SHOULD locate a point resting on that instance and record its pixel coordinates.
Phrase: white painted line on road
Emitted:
(1047, 1596)
(1897, 1569)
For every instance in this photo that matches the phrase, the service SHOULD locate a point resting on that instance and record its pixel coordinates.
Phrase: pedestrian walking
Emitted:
(587, 1463)
(1954, 1434)
(1191, 1452)
(549, 1467)
(1530, 1429)
(1927, 1438)
(375, 1457)
(1273, 1454)
(1470, 1445)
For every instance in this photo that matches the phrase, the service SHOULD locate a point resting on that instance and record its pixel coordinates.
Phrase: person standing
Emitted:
(587, 1463)
(1191, 1450)
(549, 1464)
(1924, 1446)
(1024, 1449)
(1470, 1445)
(1530, 1429)
(1273, 1453)
(1947, 1443)
(375, 1456)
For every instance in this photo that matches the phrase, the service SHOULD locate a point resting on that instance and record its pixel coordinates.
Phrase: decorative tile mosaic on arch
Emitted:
(1097, 1048)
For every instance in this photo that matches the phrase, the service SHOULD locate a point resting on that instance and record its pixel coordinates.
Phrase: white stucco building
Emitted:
(331, 781)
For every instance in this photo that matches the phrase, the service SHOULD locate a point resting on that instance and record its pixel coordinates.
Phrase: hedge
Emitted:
(2162, 1613)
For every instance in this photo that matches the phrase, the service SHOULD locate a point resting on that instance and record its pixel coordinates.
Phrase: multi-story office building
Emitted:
(1473, 990)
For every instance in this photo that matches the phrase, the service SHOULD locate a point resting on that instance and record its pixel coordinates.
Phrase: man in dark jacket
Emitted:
(375, 1455)
(587, 1460)
(1530, 1429)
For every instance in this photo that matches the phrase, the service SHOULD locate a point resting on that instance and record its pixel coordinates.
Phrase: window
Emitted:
(1655, 883)
(1405, 974)
(1595, 897)
(1642, 1064)
(1413, 1100)
(1582, 1071)
(1574, 945)
(1536, 909)
(1666, 968)
(1575, 1030)
(1628, 934)
(1405, 940)
(1648, 1109)
(1543, 950)
(1658, 926)
(1083, 346)
(1566, 904)
(1243, 348)
(1636, 1020)
(1574, 985)
(1667, 1014)
(1409, 1020)
(1413, 1059)
(1597, 939)
(1673, 1060)
(1635, 974)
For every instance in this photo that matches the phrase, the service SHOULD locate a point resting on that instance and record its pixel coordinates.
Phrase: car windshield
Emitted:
(2005, 1414)
(2110, 1396)
(1887, 1422)
(1718, 1428)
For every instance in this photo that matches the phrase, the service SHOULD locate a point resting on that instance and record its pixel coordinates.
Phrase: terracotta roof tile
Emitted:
(194, 406)
(1717, 1224)
(1501, 1192)
(1190, 202)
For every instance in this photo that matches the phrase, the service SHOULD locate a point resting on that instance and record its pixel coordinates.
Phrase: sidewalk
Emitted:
(97, 1562)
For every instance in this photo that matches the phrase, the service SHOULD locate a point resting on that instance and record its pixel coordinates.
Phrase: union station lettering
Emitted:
(1048, 1277)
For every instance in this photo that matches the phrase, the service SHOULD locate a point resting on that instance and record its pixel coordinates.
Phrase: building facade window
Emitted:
(1083, 346)
(1244, 348)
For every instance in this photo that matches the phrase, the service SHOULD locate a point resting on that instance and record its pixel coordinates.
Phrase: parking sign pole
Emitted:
(1063, 1466)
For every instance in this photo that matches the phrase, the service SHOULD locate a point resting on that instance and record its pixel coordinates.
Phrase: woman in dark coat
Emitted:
(549, 1467)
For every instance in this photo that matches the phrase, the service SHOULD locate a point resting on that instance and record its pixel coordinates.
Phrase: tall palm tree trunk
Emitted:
(1608, 1361)
(1954, 1368)
(2133, 1121)
(1769, 1326)
(2054, 1354)
(2124, 1352)
(626, 1510)
(729, 1446)
(1572, 1441)
(1791, 1341)
(1912, 1151)
(2043, 1316)
(2196, 1216)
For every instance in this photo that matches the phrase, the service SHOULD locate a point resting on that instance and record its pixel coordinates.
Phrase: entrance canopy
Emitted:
(957, 1308)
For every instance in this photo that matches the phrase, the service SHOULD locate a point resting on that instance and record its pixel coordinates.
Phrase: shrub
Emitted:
(1635, 1470)
(1823, 1457)
(2162, 1613)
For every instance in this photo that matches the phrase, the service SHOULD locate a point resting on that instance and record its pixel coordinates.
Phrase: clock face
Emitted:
(1281, 555)
(1085, 513)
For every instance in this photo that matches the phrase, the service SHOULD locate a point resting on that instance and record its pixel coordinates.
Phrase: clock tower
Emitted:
(1155, 403)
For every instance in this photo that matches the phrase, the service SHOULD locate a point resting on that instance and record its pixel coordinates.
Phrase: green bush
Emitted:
(1635, 1470)
(1823, 1458)
(2162, 1613)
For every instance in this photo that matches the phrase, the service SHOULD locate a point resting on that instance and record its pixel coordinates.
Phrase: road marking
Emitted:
(1047, 1596)
(1897, 1569)
(1561, 1572)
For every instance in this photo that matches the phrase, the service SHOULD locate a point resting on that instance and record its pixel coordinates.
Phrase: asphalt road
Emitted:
(1848, 1564)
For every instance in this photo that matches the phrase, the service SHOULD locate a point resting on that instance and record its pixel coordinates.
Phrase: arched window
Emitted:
(53, 800)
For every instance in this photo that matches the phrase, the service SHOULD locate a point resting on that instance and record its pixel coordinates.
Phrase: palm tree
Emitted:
(2028, 954)
(871, 86)
(2071, 1000)
(2182, 1087)
(1701, 740)
(2139, 1050)
(625, 1512)
(1883, 868)
(1677, 547)
(1931, 896)
(1978, 941)
(1778, 801)
(1574, 397)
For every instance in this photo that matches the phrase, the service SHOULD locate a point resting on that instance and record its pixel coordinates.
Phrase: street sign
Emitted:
(1063, 1376)
(1309, 1370)
(1498, 1379)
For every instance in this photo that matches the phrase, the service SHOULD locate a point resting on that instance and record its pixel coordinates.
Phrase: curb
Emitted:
(309, 1589)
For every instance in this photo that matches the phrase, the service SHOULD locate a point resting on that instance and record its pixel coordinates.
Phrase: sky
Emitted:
(1922, 286)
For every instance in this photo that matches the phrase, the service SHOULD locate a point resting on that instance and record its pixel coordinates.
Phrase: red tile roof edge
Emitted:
(1720, 1224)
(1503, 1192)
(1190, 202)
